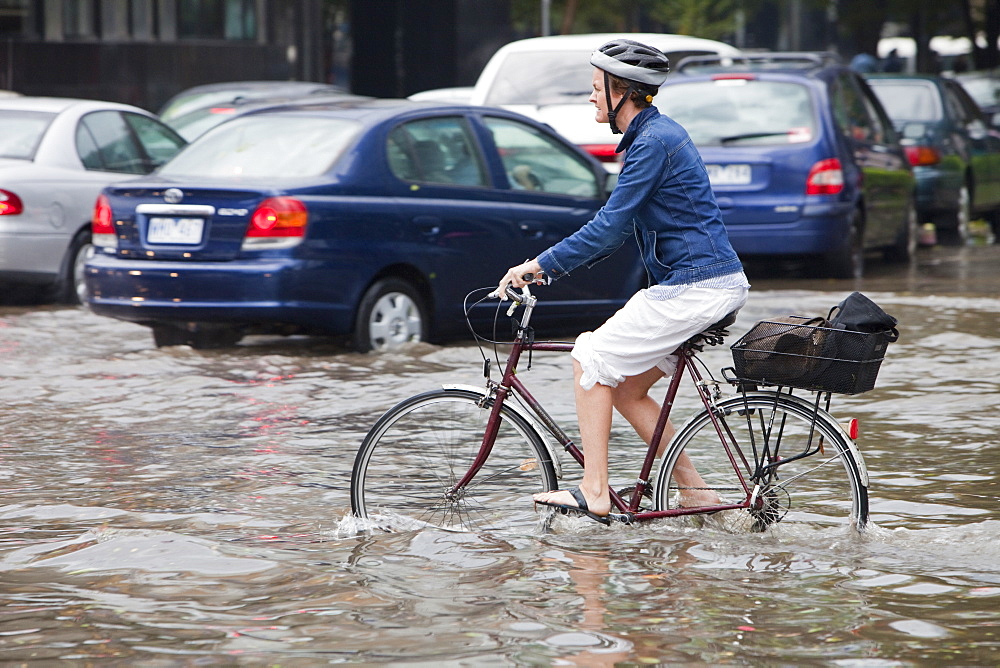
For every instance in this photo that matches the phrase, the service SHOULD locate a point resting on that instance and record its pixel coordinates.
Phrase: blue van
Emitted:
(802, 157)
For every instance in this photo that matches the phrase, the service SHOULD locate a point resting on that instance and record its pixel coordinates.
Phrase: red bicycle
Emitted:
(469, 458)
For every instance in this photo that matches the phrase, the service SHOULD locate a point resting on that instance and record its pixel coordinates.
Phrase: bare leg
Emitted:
(632, 400)
(593, 410)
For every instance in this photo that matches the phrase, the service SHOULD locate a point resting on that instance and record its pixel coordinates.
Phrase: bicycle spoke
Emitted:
(413, 458)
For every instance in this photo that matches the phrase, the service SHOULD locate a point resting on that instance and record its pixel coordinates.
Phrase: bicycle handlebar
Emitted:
(525, 293)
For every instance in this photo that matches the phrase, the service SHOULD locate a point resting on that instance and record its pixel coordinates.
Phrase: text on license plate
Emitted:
(175, 230)
(728, 175)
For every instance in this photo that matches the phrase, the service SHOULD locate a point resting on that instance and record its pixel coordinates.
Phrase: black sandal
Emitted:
(581, 508)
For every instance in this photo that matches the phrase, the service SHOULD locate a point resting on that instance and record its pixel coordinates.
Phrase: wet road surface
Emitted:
(181, 507)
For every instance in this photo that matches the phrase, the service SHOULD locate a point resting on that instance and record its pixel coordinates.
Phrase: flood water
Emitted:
(183, 507)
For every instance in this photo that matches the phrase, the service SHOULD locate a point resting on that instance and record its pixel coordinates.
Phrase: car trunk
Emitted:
(207, 224)
(752, 187)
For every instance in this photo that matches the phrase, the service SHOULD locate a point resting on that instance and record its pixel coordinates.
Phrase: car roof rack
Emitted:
(797, 61)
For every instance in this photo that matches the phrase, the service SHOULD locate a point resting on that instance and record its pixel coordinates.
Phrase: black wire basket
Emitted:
(799, 352)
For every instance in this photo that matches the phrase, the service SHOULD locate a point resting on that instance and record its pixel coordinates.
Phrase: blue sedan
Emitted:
(367, 218)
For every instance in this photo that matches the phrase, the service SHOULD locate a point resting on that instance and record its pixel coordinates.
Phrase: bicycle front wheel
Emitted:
(797, 463)
(405, 472)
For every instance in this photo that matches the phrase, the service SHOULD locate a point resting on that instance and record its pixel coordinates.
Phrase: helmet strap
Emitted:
(612, 113)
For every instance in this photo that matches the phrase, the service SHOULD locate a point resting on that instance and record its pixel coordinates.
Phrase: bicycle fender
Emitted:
(532, 421)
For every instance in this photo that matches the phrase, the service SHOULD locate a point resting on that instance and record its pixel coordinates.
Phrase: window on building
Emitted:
(80, 18)
(217, 19)
(17, 18)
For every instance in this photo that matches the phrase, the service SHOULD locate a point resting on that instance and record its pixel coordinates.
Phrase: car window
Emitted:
(881, 132)
(851, 112)
(968, 110)
(22, 132)
(552, 77)
(563, 77)
(914, 100)
(984, 91)
(105, 143)
(159, 142)
(435, 150)
(266, 145)
(741, 111)
(534, 161)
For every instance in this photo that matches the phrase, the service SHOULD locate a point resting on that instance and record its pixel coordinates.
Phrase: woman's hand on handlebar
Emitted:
(523, 274)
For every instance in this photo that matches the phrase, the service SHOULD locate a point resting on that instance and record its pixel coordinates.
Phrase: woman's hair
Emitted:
(642, 94)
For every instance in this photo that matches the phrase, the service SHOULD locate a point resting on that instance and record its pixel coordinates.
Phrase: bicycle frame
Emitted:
(630, 508)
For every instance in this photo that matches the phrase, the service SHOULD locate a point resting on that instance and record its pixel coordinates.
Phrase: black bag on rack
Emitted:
(858, 313)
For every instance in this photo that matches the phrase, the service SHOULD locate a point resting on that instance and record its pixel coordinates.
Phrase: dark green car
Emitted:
(954, 152)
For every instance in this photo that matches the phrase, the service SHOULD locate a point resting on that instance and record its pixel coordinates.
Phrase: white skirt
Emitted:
(645, 332)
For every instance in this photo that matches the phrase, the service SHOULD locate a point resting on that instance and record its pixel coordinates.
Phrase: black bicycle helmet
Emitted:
(643, 67)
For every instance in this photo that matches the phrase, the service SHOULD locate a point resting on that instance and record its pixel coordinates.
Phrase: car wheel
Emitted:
(955, 226)
(199, 337)
(848, 261)
(72, 289)
(906, 243)
(390, 314)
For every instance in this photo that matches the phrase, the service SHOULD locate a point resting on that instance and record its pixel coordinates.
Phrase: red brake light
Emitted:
(10, 204)
(603, 152)
(825, 178)
(278, 222)
(733, 77)
(920, 156)
(222, 110)
(102, 225)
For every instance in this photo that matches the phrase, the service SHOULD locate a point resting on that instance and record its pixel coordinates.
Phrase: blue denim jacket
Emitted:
(663, 196)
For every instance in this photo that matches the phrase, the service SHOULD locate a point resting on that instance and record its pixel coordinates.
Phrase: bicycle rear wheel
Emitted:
(414, 455)
(817, 475)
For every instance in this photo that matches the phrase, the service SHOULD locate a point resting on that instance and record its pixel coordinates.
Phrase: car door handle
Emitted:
(531, 229)
(429, 226)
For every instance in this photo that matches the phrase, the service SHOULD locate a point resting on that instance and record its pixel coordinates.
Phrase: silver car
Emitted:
(55, 156)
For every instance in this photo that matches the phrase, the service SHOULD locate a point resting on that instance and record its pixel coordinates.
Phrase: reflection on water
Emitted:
(192, 507)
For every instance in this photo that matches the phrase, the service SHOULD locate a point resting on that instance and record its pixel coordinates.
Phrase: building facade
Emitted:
(143, 51)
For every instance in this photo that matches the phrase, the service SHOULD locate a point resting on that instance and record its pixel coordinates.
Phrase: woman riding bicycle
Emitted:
(663, 198)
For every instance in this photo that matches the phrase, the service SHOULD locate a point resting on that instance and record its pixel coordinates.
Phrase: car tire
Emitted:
(391, 314)
(199, 337)
(71, 288)
(953, 228)
(905, 247)
(848, 261)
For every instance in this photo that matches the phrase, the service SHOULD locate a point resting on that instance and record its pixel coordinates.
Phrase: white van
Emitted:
(549, 79)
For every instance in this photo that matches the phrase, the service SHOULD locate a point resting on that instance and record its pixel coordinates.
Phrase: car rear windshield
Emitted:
(740, 112)
(269, 145)
(22, 132)
(914, 100)
(551, 77)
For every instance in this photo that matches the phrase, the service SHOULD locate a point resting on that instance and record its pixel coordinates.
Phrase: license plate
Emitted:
(175, 230)
(728, 175)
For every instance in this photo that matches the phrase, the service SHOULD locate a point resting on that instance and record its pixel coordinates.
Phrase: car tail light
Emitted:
(921, 156)
(102, 225)
(603, 152)
(733, 77)
(10, 204)
(825, 178)
(278, 222)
